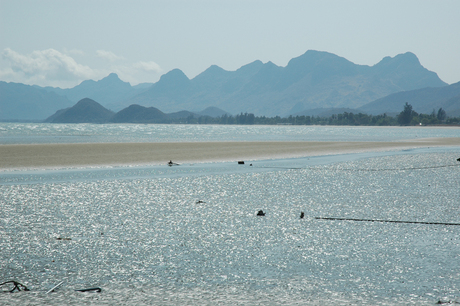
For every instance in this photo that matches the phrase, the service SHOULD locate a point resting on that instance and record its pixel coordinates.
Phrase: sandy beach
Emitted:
(104, 154)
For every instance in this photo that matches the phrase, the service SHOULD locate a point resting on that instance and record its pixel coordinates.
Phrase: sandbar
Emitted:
(13, 156)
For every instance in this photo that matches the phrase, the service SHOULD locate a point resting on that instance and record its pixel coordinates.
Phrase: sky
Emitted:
(61, 43)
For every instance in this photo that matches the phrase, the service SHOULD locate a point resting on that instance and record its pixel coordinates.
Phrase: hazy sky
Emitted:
(63, 42)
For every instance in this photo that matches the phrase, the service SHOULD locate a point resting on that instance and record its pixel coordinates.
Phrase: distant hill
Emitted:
(24, 102)
(325, 112)
(313, 80)
(139, 114)
(85, 111)
(213, 112)
(90, 111)
(422, 100)
(453, 106)
(182, 114)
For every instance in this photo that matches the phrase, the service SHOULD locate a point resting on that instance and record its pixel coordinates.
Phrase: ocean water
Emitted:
(158, 235)
(13, 133)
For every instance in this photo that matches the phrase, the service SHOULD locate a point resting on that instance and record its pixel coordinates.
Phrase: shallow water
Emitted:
(140, 235)
(14, 133)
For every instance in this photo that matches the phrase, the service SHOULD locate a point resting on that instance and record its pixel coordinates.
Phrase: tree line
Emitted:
(406, 117)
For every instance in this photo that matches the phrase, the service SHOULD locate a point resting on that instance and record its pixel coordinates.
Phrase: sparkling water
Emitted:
(190, 235)
(13, 133)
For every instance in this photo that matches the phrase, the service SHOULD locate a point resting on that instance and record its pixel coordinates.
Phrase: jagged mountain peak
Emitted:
(175, 75)
(112, 75)
(175, 83)
(406, 70)
(213, 72)
(112, 80)
(314, 58)
(320, 66)
(215, 68)
(408, 58)
(251, 67)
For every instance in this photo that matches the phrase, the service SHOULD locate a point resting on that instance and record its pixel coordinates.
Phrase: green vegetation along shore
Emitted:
(407, 117)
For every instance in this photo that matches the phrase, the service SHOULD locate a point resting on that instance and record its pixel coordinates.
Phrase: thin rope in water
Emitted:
(388, 221)
(401, 169)
(357, 170)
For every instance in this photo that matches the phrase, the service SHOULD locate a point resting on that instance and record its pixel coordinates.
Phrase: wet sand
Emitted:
(105, 154)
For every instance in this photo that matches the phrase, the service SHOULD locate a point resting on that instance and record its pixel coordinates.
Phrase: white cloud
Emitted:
(45, 67)
(61, 69)
(110, 56)
(147, 66)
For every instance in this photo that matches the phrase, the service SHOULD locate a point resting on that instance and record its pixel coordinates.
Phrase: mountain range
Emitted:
(313, 83)
(25, 102)
(109, 90)
(312, 80)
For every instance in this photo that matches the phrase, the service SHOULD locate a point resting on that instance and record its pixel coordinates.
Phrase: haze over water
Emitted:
(190, 234)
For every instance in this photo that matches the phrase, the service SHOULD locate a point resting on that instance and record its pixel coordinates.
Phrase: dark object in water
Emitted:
(171, 163)
(302, 215)
(17, 286)
(240, 162)
(448, 302)
(63, 238)
(95, 289)
(200, 202)
(458, 159)
(260, 213)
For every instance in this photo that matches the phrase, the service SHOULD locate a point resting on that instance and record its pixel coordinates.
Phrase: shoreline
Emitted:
(28, 156)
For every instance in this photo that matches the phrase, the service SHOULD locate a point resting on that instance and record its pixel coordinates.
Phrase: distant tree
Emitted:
(405, 117)
(250, 119)
(441, 114)
(415, 120)
(190, 119)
